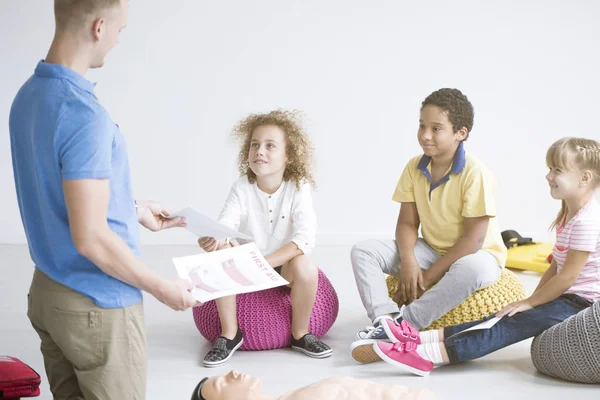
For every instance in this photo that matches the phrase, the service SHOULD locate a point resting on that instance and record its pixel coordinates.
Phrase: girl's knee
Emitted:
(303, 269)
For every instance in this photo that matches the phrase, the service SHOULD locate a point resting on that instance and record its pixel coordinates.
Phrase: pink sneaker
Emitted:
(402, 332)
(403, 356)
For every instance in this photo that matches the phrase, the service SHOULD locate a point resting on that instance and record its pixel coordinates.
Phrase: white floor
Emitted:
(176, 348)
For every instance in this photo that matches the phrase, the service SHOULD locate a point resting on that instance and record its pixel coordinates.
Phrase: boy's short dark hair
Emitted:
(457, 106)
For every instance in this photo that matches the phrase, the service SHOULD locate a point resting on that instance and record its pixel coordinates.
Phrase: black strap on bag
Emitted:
(512, 239)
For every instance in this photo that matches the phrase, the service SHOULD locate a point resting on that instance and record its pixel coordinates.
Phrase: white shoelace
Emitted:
(374, 330)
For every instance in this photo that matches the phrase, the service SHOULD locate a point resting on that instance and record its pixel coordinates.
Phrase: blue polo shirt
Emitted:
(59, 131)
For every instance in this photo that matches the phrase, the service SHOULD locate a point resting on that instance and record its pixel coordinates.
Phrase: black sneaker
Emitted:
(310, 345)
(222, 350)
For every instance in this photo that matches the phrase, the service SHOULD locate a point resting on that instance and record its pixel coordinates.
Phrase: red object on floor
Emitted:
(17, 379)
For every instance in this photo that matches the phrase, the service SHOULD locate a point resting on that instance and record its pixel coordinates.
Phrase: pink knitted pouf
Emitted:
(265, 317)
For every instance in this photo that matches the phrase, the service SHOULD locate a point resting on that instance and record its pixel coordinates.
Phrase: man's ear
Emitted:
(98, 28)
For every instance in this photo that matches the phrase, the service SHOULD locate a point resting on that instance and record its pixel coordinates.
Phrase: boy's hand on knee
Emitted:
(399, 297)
(421, 285)
(409, 281)
(426, 283)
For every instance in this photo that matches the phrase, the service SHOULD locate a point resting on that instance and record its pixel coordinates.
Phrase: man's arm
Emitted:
(87, 202)
(475, 230)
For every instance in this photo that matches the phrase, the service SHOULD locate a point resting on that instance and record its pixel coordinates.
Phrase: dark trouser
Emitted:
(509, 330)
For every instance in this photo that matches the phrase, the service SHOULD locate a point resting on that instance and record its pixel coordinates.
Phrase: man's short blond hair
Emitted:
(68, 12)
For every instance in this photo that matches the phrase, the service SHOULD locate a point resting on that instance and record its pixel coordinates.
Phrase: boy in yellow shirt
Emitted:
(451, 196)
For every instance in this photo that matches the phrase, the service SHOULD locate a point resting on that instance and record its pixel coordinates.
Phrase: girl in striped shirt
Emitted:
(571, 283)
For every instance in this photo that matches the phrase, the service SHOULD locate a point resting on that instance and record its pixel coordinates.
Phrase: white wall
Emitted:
(186, 71)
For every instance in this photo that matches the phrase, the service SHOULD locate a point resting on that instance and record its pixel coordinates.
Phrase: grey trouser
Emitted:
(373, 259)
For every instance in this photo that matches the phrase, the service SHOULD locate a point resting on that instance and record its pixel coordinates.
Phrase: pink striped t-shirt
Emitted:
(582, 233)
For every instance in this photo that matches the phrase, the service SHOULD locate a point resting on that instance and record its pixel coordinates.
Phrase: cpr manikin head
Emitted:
(233, 386)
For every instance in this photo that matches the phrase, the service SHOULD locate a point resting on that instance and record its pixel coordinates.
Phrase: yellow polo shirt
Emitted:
(468, 190)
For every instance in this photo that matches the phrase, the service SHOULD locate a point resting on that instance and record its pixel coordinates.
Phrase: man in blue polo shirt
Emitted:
(80, 217)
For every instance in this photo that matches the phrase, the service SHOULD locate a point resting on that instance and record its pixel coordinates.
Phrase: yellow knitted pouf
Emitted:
(505, 290)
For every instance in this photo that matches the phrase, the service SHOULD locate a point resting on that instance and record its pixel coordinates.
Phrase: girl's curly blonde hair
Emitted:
(299, 148)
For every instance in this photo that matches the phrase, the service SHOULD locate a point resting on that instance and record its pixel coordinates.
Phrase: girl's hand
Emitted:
(208, 244)
(516, 307)
(224, 244)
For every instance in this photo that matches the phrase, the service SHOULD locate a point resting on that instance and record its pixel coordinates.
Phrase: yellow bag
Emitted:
(524, 253)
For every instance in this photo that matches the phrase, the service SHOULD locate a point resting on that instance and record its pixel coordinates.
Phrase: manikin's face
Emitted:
(233, 386)
(106, 29)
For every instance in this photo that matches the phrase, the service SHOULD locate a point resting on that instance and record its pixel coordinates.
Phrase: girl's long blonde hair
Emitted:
(574, 154)
(298, 147)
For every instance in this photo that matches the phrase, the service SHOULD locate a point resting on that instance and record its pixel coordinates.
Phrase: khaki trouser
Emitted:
(89, 352)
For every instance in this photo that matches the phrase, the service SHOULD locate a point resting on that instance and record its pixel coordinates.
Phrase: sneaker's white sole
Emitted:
(323, 354)
(213, 364)
(397, 364)
(362, 351)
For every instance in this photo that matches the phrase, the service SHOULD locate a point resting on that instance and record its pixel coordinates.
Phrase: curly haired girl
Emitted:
(272, 202)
